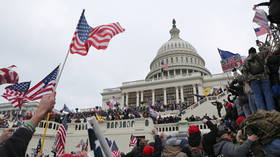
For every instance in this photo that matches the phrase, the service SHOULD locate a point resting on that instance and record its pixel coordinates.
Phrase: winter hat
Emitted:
(252, 50)
(239, 120)
(221, 133)
(148, 150)
(193, 129)
(229, 105)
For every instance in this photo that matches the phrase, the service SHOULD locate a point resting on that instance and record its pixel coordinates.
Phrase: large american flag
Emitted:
(7, 75)
(15, 94)
(98, 37)
(61, 137)
(46, 86)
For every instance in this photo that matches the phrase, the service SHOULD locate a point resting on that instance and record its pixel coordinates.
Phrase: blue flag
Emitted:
(225, 54)
(66, 109)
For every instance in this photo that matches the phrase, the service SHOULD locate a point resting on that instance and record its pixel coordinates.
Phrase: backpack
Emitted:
(197, 151)
(265, 124)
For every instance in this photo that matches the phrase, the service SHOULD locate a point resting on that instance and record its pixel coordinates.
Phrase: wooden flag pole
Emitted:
(45, 132)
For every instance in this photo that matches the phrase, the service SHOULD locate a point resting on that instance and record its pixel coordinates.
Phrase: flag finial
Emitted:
(174, 23)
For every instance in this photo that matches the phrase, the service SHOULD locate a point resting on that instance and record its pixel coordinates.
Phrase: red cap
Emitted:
(148, 150)
(239, 120)
(193, 129)
(229, 105)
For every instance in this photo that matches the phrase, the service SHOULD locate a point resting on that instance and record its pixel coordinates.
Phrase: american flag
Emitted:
(163, 65)
(98, 37)
(46, 86)
(15, 94)
(7, 75)
(261, 18)
(61, 137)
(37, 150)
(133, 141)
(115, 150)
(260, 31)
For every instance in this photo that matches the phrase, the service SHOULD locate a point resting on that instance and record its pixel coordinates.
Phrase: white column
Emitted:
(126, 101)
(177, 95)
(153, 97)
(194, 92)
(137, 98)
(122, 105)
(182, 94)
(164, 96)
(142, 96)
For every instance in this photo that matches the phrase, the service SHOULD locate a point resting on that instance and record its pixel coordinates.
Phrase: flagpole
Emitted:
(45, 132)
(62, 68)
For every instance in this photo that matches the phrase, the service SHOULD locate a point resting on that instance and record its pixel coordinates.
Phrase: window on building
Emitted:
(112, 125)
(146, 122)
(108, 125)
(171, 59)
(116, 124)
(124, 124)
(50, 125)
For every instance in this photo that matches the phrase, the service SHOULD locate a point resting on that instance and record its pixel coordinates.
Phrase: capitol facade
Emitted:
(184, 77)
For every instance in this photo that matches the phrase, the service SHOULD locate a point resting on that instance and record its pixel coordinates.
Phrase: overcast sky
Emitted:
(35, 36)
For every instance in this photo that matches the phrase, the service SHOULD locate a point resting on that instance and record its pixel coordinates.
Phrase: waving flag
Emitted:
(98, 37)
(133, 141)
(37, 150)
(46, 86)
(115, 150)
(94, 143)
(225, 54)
(7, 75)
(15, 94)
(61, 137)
(260, 31)
(66, 109)
(261, 18)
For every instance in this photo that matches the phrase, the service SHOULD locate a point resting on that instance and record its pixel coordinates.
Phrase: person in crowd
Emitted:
(219, 106)
(16, 145)
(227, 148)
(6, 134)
(175, 147)
(209, 139)
(256, 74)
(274, 10)
(195, 141)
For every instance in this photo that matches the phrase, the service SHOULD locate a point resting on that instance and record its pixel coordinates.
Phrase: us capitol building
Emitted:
(185, 76)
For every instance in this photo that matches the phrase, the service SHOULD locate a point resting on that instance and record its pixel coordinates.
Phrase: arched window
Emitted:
(124, 124)
(116, 124)
(132, 123)
(112, 125)
(159, 130)
(79, 127)
(54, 125)
(173, 128)
(120, 124)
(170, 129)
(108, 125)
(162, 129)
(146, 122)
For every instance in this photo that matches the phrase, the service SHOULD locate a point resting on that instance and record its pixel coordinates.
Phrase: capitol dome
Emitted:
(176, 57)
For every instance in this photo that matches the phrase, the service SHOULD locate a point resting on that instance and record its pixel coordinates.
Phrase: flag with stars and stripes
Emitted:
(15, 94)
(37, 150)
(94, 143)
(115, 150)
(98, 37)
(61, 137)
(7, 75)
(46, 86)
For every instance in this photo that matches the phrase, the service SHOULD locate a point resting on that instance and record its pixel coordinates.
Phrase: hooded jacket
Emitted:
(173, 151)
(229, 149)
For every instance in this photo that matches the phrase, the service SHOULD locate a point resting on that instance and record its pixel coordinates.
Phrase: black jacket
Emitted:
(16, 145)
(209, 139)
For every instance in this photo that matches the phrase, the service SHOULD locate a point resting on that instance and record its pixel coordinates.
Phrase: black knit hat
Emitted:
(221, 133)
(252, 50)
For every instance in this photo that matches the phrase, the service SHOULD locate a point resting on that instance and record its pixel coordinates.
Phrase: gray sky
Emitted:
(35, 36)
